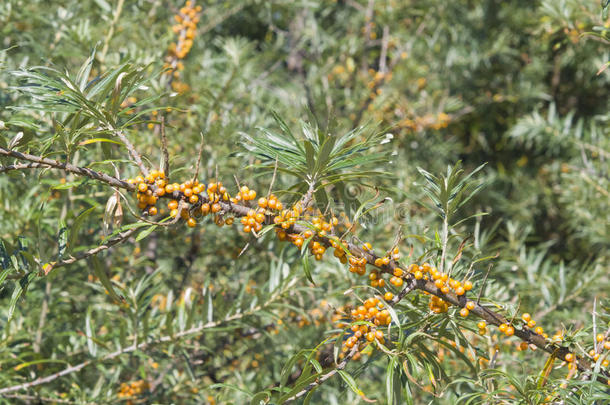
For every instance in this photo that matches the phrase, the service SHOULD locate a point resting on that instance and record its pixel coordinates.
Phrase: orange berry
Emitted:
(531, 323)
(460, 291)
(607, 345)
(569, 357)
(216, 207)
(526, 317)
(173, 213)
(152, 211)
(503, 327)
(194, 199)
(388, 296)
(191, 222)
(464, 312)
(467, 285)
(188, 192)
(539, 330)
(262, 202)
(172, 205)
(510, 331)
(482, 324)
(205, 208)
(142, 187)
(470, 305)
(599, 337)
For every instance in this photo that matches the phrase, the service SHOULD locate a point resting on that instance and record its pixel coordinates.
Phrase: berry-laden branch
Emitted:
(317, 234)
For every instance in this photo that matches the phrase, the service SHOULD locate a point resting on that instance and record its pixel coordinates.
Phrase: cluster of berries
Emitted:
(129, 390)
(601, 343)
(373, 311)
(186, 25)
(150, 188)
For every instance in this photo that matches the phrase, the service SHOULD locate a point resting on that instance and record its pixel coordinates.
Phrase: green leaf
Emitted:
(20, 288)
(103, 277)
(62, 239)
(78, 222)
(146, 232)
(307, 268)
(349, 380)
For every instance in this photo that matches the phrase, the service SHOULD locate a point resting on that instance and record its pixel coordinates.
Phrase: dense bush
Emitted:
(453, 156)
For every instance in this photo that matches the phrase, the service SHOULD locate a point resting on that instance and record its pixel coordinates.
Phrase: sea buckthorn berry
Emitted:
(510, 331)
(418, 275)
(503, 327)
(142, 187)
(464, 312)
(445, 289)
(262, 202)
(169, 189)
(467, 285)
(470, 305)
(599, 337)
(152, 211)
(191, 222)
(172, 205)
(531, 323)
(173, 213)
(460, 291)
(379, 335)
(188, 192)
(216, 207)
(205, 208)
(367, 246)
(194, 199)
(569, 357)
(482, 324)
(526, 317)
(482, 331)
(388, 296)
(607, 345)
(539, 330)
(398, 272)
(523, 346)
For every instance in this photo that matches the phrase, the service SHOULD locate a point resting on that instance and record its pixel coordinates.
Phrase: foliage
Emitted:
(350, 112)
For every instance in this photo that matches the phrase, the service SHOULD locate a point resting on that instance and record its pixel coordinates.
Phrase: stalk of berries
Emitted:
(193, 199)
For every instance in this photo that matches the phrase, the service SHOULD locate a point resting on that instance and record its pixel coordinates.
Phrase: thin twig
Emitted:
(121, 237)
(83, 171)
(135, 156)
(484, 283)
(164, 149)
(324, 377)
(198, 158)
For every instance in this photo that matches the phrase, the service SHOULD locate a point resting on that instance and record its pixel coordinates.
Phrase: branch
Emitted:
(144, 345)
(121, 237)
(324, 377)
(83, 171)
